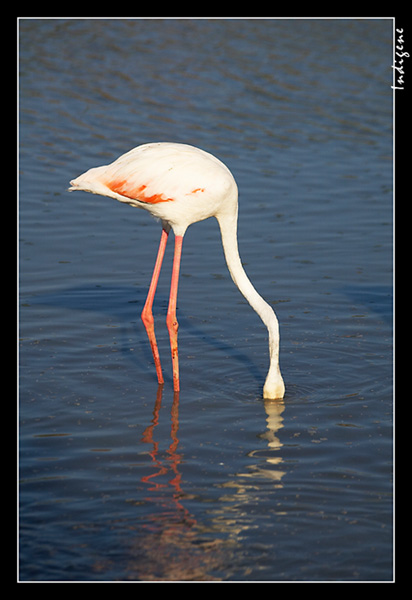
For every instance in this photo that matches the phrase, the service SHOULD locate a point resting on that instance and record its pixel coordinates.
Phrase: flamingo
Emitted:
(180, 184)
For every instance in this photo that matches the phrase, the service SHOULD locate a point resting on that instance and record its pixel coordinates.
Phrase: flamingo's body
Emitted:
(180, 185)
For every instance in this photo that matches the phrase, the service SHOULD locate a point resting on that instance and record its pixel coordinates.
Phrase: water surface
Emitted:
(121, 480)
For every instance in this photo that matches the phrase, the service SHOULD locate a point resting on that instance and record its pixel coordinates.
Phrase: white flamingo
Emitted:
(180, 185)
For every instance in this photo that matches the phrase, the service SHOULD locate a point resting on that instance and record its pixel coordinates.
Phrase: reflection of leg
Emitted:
(147, 436)
(171, 320)
(147, 313)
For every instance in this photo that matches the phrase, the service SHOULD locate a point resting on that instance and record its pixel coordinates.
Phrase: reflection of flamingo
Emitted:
(274, 410)
(174, 457)
(181, 185)
(171, 547)
(171, 544)
(274, 420)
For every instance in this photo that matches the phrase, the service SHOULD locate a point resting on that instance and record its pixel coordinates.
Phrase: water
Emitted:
(121, 481)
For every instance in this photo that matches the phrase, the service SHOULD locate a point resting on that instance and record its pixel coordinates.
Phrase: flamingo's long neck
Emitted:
(274, 386)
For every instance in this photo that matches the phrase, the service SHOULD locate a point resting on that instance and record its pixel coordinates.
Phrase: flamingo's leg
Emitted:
(147, 313)
(171, 320)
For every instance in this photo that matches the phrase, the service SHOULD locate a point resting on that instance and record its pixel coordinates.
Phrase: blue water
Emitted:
(120, 480)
